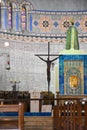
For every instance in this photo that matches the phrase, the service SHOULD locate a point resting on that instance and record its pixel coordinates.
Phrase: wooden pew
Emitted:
(6, 121)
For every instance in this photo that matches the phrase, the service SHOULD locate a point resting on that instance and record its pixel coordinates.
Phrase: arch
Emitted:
(2, 3)
(27, 4)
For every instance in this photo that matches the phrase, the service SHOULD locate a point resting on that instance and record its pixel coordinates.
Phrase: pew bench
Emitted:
(12, 123)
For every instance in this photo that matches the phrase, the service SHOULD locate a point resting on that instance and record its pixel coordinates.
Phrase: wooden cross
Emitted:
(48, 62)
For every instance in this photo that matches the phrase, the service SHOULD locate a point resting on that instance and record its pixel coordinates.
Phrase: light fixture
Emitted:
(6, 44)
(0, 1)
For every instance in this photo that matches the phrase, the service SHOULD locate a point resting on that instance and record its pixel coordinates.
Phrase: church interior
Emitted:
(43, 68)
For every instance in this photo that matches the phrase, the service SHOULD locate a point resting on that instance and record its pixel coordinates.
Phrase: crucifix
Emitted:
(48, 62)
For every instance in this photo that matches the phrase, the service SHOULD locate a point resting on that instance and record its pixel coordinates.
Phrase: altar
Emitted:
(72, 66)
(72, 74)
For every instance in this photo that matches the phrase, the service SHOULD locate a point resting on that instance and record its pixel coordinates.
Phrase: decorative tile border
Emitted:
(49, 26)
(57, 23)
(39, 38)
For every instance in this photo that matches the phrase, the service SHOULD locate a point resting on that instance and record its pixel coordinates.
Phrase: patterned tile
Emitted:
(73, 65)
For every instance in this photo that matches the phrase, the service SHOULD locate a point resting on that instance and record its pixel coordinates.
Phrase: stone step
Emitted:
(39, 128)
(38, 123)
(39, 118)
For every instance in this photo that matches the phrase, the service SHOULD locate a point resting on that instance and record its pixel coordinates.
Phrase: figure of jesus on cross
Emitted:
(48, 62)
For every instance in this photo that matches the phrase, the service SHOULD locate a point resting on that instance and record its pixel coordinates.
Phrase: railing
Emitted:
(70, 115)
(41, 101)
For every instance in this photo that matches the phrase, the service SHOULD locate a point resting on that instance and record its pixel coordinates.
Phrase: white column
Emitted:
(56, 71)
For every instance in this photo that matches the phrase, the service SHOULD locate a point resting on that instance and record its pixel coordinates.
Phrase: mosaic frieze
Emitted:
(58, 23)
(39, 25)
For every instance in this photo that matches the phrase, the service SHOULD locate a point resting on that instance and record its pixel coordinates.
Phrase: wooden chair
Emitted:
(6, 121)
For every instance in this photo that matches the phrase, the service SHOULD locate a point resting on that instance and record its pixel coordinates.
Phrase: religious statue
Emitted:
(72, 37)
